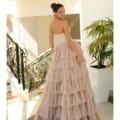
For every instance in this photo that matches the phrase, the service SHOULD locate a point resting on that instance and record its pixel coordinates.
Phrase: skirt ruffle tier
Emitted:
(67, 94)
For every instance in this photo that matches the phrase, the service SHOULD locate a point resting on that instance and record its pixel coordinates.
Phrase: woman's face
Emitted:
(60, 13)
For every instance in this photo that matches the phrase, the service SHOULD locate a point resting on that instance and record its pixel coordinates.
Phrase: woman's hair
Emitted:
(56, 6)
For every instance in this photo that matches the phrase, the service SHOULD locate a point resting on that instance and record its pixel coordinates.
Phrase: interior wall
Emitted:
(91, 11)
(41, 8)
(42, 32)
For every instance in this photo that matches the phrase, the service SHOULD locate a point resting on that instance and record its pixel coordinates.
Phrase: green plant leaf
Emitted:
(101, 48)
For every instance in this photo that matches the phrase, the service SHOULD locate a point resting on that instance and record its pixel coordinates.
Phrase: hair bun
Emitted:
(56, 6)
(53, 5)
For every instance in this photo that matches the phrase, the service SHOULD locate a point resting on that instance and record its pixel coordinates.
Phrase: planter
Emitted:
(101, 82)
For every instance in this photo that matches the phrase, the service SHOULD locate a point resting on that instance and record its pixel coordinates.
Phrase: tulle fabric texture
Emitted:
(67, 94)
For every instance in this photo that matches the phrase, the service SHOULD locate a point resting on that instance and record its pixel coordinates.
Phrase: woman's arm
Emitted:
(51, 42)
(69, 39)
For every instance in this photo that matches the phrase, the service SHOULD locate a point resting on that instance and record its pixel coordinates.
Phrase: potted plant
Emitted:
(101, 51)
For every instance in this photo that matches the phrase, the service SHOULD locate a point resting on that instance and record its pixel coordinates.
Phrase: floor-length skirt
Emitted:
(67, 94)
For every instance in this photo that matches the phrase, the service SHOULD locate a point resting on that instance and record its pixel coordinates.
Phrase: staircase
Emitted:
(24, 78)
(31, 75)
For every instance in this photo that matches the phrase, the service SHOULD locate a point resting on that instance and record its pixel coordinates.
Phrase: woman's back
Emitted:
(57, 26)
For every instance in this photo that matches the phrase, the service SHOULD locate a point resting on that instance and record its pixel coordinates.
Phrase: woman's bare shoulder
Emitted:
(51, 23)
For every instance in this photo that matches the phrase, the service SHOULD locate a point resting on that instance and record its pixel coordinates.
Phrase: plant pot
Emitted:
(101, 82)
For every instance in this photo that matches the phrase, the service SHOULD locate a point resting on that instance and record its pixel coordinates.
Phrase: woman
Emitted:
(67, 94)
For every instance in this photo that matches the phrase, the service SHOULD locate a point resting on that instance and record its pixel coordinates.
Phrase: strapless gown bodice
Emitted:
(59, 39)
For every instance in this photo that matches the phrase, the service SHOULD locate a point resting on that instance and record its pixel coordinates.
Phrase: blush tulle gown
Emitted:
(67, 94)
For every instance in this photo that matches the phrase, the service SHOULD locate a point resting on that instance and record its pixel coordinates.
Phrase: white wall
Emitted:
(93, 10)
(40, 7)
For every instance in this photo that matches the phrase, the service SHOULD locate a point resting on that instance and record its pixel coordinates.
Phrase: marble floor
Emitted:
(23, 110)
(106, 111)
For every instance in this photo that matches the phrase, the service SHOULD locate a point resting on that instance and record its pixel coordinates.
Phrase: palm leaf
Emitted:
(101, 32)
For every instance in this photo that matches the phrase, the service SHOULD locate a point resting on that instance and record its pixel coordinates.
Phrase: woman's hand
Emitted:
(79, 59)
(53, 49)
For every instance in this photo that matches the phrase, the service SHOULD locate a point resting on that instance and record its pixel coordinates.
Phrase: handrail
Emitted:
(15, 59)
(41, 56)
(15, 39)
(20, 69)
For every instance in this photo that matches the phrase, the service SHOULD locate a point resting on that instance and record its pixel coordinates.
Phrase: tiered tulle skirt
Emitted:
(67, 94)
